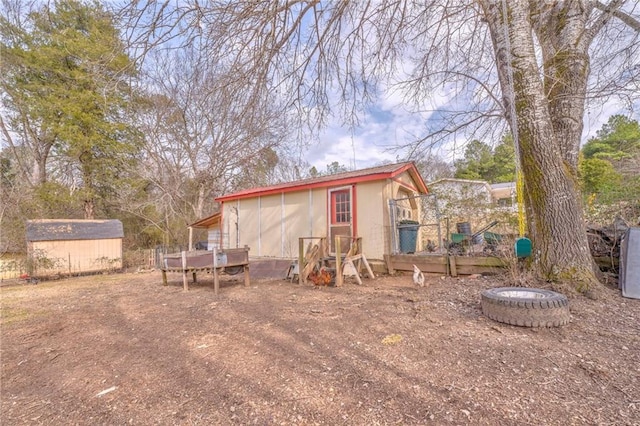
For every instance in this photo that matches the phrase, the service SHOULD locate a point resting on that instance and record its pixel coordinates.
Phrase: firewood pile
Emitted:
(604, 242)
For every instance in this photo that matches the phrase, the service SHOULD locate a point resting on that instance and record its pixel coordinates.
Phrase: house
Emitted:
(459, 198)
(271, 220)
(475, 203)
(73, 246)
(504, 194)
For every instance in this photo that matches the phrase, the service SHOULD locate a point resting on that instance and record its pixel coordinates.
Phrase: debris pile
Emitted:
(604, 242)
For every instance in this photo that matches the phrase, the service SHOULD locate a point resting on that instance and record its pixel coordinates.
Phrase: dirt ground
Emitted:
(123, 349)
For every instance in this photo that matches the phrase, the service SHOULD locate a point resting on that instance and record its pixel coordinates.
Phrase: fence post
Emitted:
(185, 282)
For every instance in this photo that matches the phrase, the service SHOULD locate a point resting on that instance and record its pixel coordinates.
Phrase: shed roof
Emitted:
(387, 171)
(73, 229)
(208, 221)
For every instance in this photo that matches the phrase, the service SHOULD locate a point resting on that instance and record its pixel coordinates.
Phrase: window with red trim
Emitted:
(340, 207)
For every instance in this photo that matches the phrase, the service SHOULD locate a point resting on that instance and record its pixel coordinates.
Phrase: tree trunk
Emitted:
(554, 210)
(560, 29)
(89, 209)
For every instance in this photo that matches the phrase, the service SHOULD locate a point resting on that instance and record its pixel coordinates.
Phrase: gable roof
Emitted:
(387, 171)
(73, 229)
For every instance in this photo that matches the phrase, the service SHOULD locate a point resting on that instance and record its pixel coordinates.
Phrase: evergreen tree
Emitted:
(480, 162)
(611, 158)
(67, 80)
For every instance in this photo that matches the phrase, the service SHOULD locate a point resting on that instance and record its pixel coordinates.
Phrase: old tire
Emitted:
(526, 307)
(233, 270)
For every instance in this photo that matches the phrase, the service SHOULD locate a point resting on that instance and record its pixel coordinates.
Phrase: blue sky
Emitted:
(389, 125)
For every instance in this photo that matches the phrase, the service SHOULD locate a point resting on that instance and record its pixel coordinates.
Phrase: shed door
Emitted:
(340, 214)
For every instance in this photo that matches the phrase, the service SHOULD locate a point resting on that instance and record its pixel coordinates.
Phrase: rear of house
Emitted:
(271, 220)
(73, 246)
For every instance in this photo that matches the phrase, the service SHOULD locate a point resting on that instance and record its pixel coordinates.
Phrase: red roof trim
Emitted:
(278, 190)
(405, 185)
(347, 180)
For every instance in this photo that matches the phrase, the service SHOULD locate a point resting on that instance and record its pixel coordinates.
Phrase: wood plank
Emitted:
(205, 262)
(247, 281)
(350, 264)
(480, 261)
(185, 284)
(368, 267)
(453, 266)
(301, 264)
(432, 268)
(339, 277)
(389, 263)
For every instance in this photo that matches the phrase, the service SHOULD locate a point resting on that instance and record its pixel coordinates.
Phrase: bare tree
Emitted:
(201, 138)
(527, 64)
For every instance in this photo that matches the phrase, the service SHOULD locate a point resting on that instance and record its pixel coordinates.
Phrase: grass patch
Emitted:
(10, 315)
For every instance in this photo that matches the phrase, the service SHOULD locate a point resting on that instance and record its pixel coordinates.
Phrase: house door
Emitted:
(340, 214)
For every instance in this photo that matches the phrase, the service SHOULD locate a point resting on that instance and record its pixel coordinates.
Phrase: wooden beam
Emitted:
(185, 283)
(339, 277)
(301, 264)
(452, 266)
(247, 281)
(366, 265)
(389, 264)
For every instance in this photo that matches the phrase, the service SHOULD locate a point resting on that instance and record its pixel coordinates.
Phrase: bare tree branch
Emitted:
(613, 9)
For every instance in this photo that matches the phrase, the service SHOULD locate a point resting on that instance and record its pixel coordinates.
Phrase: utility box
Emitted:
(629, 281)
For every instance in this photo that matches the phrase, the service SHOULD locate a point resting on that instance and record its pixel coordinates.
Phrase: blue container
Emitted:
(408, 235)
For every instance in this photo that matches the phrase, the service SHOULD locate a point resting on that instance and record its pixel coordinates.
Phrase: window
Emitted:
(341, 207)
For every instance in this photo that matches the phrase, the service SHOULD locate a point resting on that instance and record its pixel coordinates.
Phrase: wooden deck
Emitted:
(216, 262)
(444, 264)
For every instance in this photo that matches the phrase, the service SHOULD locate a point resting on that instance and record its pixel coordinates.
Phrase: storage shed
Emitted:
(271, 219)
(74, 246)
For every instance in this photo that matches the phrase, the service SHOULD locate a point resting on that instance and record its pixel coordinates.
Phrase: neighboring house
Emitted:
(73, 246)
(271, 220)
(478, 192)
(456, 194)
(474, 201)
(504, 194)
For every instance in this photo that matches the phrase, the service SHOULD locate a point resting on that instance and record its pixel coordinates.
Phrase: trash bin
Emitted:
(463, 228)
(408, 235)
